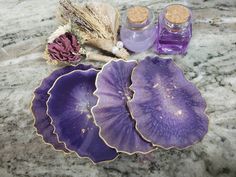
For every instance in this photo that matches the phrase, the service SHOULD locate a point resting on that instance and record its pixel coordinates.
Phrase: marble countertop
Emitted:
(210, 64)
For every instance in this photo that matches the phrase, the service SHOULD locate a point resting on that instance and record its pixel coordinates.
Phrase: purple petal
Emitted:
(53, 48)
(67, 44)
(56, 56)
(75, 45)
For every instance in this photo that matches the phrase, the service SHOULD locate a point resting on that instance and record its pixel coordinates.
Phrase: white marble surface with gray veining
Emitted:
(210, 64)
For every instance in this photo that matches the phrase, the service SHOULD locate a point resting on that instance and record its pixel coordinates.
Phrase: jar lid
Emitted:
(177, 13)
(137, 14)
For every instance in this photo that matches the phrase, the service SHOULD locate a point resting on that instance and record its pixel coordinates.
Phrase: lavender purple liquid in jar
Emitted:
(138, 33)
(174, 30)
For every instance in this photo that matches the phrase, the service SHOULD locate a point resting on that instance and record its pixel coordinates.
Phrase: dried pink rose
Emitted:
(65, 48)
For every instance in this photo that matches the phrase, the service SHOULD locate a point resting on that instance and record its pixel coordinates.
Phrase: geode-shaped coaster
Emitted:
(168, 109)
(42, 122)
(111, 113)
(69, 107)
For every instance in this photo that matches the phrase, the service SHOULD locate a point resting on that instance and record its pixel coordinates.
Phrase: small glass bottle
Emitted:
(138, 31)
(174, 30)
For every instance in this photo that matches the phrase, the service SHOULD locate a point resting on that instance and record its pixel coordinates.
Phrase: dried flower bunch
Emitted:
(94, 24)
(64, 47)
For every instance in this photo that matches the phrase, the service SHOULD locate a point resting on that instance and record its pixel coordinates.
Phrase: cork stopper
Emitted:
(137, 14)
(177, 13)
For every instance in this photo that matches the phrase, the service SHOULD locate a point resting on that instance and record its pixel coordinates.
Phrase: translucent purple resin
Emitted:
(138, 38)
(168, 109)
(173, 38)
(69, 107)
(111, 113)
(42, 121)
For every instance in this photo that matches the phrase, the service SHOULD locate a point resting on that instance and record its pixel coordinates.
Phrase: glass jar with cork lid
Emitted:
(174, 30)
(138, 31)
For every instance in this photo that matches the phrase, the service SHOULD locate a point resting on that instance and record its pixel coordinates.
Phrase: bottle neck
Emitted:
(140, 26)
(176, 18)
(174, 27)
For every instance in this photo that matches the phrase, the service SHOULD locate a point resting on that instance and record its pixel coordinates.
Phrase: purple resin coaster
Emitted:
(111, 114)
(69, 107)
(168, 109)
(42, 122)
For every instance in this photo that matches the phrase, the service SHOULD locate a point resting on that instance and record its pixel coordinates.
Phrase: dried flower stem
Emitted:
(98, 57)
